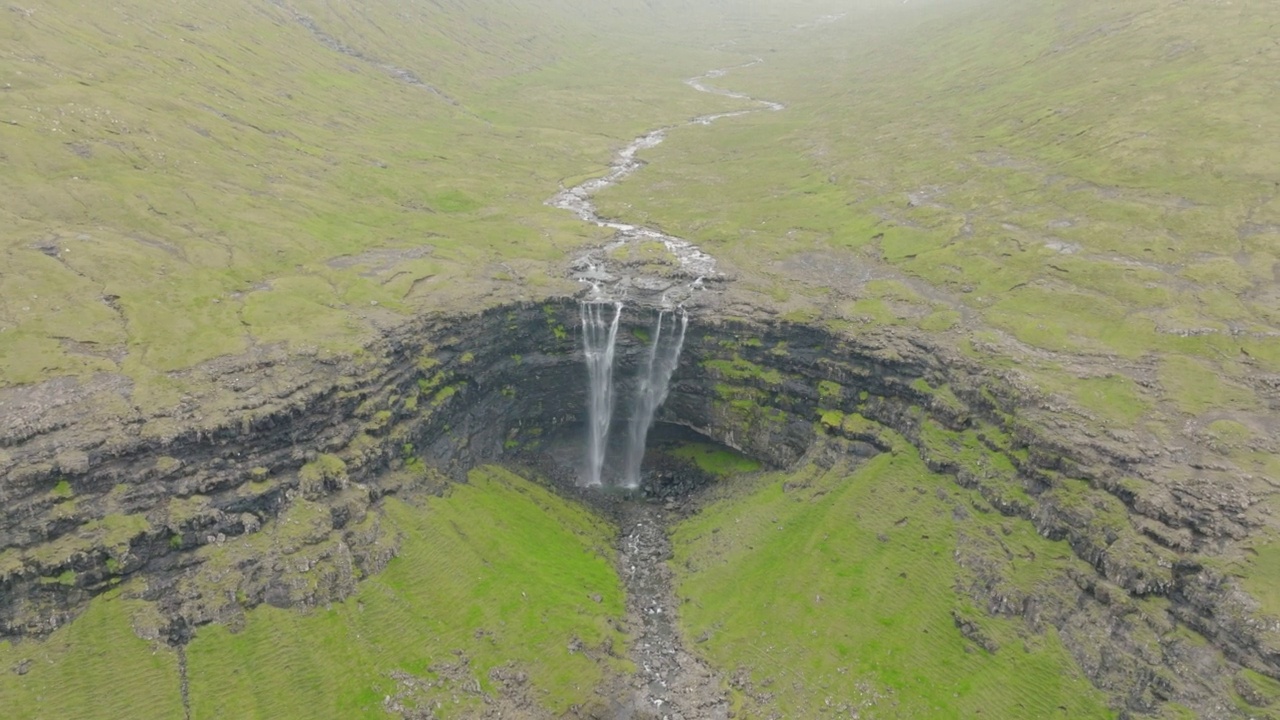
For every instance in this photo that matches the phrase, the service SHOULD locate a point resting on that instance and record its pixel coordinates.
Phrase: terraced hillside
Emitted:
(982, 363)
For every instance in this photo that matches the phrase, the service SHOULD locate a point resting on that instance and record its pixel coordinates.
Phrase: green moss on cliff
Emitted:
(747, 406)
(1262, 576)
(965, 452)
(739, 369)
(327, 473)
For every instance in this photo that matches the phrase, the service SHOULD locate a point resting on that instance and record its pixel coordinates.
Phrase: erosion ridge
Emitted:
(455, 392)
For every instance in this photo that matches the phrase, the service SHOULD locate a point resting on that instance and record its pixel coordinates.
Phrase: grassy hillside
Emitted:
(1084, 178)
(1089, 178)
(65, 675)
(1082, 195)
(492, 582)
(838, 590)
(188, 181)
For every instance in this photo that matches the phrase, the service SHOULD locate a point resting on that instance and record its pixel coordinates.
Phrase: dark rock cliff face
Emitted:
(181, 498)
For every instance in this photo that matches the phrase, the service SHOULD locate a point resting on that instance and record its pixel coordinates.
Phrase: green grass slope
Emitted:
(188, 181)
(716, 460)
(1088, 178)
(497, 574)
(1082, 195)
(95, 667)
(836, 590)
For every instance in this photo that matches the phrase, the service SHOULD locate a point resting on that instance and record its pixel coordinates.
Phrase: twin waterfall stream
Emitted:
(603, 311)
(670, 682)
(599, 341)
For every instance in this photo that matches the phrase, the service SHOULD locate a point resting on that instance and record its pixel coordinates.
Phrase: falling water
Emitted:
(651, 391)
(598, 338)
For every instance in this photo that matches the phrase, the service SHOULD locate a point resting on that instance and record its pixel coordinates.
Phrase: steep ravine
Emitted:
(460, 391)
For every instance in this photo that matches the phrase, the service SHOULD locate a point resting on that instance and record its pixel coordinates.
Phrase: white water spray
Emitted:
(651, 391)
(598, 340)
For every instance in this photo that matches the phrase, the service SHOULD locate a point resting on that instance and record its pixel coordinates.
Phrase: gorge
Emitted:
(926, 388)
(476, 390)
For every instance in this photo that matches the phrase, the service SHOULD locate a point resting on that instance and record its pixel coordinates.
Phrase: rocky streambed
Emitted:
(670, 682)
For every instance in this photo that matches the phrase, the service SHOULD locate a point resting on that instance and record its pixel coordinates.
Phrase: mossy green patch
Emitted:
(747, 406)
(939, 320)
(858, 427)
(1261, 577)
(830, 392)
(1114, 397)
(111, 532)
(1265, 688)
(324, 474)
(1227, 436)
(740, 369)
(1196, 387)
(717, 460)
(966, 451)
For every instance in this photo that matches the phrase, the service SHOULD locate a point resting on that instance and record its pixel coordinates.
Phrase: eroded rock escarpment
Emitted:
(86, 502)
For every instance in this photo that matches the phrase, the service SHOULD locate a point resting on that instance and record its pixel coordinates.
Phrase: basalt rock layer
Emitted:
(312, 443)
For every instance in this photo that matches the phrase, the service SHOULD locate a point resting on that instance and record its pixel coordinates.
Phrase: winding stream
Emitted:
(670, 682)
(697, 266)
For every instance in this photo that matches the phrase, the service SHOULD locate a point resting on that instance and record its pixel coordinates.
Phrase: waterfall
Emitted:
(651, 391)
(598, 338)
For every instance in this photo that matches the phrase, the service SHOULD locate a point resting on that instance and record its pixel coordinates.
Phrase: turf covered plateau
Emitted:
(178, 189)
